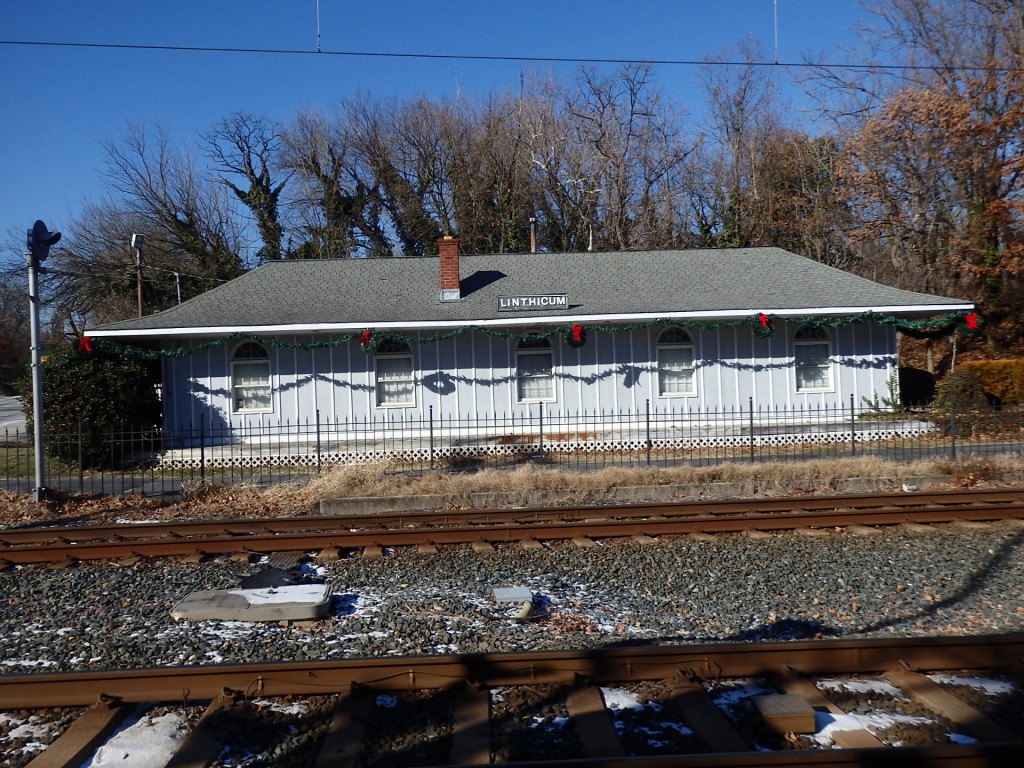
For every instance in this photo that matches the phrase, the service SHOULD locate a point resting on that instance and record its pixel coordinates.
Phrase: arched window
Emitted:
(676, 364)
(393, 363)
(250, 378)
(812, 352)
(535, 377)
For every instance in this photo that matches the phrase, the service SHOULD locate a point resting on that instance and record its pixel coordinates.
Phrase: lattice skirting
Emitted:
(293, 455)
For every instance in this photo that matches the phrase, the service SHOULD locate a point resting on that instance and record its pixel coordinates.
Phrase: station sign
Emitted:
(533, 302)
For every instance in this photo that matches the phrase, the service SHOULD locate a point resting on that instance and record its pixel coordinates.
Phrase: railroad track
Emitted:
(727, 705)
(332, 534)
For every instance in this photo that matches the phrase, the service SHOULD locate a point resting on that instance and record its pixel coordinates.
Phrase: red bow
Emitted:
(85, 344)
(764, 320)
(972, 320)
(577, 333)
(365, 338)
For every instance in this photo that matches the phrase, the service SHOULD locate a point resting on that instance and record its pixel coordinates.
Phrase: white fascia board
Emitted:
(298, 328)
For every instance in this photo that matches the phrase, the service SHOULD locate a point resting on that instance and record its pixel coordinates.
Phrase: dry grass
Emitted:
(213, 500)
(382, 480)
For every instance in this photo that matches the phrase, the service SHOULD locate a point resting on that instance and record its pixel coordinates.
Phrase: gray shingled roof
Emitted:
(369, 292)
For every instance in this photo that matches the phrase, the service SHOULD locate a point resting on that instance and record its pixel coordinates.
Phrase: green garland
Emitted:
(762, 325)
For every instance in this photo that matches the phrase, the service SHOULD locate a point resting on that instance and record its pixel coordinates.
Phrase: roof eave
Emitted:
(520, 320)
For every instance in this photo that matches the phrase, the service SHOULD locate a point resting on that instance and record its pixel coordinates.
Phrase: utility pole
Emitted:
(137, 242)
(39, 241)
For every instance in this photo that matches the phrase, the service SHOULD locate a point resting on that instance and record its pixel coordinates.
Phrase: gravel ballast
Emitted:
(951, 579)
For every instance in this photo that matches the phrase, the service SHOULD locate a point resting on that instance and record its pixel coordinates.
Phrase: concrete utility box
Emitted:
(786, 712)
(296, 602)
(513, 594)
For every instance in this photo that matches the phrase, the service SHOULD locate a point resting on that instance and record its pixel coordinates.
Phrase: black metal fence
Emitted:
(162, 462)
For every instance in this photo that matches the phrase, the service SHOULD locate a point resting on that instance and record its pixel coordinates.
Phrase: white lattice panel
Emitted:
(288, 455)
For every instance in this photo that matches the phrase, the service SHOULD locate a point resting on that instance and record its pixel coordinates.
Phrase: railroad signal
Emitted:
(39, 241)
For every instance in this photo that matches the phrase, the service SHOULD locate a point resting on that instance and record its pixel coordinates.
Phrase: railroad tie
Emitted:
(206, 740)
(790, 681)
(90, 729)
(343, 742)
(694, 707)
(593, 723)
(471, 734)
(929, 693)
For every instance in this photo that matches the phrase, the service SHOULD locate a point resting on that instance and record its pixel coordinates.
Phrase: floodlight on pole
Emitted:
(39, 241)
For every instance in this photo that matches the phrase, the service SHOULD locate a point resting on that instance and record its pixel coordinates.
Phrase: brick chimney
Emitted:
(448, 249)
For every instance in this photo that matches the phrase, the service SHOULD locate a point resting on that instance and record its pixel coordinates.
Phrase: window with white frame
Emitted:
(250, 378)
(393, 363)
(812, 350)
(535, 374)
(676, 364)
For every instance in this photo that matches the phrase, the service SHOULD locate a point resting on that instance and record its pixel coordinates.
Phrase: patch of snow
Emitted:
(551, 724)
(294, 708)
(988, 685)
(959, 738)
(27, 729)
(827, 724)
(619, 698)
(880, 687)
(294, 593)
(28, 663)
(142, 742)
(738, 692)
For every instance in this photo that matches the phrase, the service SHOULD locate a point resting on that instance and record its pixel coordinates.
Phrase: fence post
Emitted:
(430, 426)
(952, 426)
(853, 429)
(318, 441)
(202, 447)
(540, 431)
(647, 409)
(540, 410)
(81, 472)
(752, 430)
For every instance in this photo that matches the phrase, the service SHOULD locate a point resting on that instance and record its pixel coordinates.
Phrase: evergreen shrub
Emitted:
(109, 395)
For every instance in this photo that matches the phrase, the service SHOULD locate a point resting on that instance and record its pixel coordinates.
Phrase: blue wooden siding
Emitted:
(473, 375)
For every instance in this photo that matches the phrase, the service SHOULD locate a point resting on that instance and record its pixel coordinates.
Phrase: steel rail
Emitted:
(262, 543)
(596, 666)
(574, 513)
(942, 756)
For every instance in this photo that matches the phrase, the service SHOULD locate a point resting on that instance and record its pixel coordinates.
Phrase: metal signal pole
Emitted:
(39, 241)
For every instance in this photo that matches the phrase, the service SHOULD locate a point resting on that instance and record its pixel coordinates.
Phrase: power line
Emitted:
(115, 271)
(492, 57)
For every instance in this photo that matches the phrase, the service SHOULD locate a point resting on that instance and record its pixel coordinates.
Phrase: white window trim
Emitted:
(250, 361)
(692, 392)
(830, 366)
(548, 352)
(411, 402)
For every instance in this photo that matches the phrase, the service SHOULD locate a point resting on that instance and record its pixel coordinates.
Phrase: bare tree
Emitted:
(933, 155)
(609, 156)
(742, 104)
(14, 335)
(162, 185)
(248, 146)
(329, 201)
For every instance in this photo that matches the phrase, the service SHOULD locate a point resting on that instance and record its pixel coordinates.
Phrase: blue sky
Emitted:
(60, 103)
